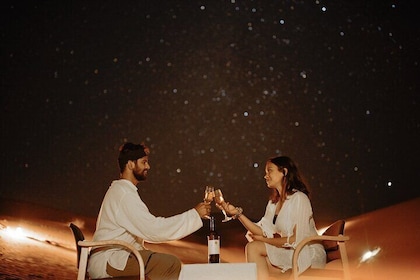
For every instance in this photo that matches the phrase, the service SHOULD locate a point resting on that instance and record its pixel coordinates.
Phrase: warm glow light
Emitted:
(322, 230)
(369, 254)
(17, 233)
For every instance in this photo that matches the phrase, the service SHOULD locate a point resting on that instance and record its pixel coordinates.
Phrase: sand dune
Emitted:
(395, 231)
(46, 250)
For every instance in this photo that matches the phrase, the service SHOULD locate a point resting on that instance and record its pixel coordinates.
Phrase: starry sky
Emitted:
(214, 88)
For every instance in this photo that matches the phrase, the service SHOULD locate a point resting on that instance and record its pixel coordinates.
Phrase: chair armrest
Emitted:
(116, 243)
(338, 238)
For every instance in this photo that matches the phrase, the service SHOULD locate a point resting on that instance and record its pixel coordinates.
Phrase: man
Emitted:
(124, 216)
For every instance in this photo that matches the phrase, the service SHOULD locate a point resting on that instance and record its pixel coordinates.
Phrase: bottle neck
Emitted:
(212, 227)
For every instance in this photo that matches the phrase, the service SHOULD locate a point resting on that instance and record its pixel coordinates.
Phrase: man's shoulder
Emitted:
(120, 188)
(123, 184)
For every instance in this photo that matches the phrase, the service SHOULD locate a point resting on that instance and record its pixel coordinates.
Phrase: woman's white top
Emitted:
(295, 212)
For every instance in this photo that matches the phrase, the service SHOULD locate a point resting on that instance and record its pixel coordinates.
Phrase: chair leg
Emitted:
(344, 260)
(82, 264)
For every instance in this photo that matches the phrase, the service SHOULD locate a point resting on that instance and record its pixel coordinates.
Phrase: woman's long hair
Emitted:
(293, 181)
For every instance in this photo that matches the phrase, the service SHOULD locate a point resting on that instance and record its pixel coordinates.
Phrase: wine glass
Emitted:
(219, 200)
(208, 196)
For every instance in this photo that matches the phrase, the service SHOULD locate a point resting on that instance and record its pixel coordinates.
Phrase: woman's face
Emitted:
(273, 176)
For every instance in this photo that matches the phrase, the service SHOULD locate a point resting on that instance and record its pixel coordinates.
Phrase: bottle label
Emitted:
(214, 246)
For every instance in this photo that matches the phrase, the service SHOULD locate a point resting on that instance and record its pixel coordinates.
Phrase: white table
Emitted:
(219, 271)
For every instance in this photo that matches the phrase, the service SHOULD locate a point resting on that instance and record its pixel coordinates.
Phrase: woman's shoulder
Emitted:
(270, 203)
(298, 195)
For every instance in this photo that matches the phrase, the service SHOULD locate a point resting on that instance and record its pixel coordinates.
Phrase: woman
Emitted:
(287, 220)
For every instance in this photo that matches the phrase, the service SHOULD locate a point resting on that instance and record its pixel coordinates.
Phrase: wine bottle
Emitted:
(213, 243)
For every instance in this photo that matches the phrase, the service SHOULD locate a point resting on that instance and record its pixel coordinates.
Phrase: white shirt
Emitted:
(124, 216)
(296, 211)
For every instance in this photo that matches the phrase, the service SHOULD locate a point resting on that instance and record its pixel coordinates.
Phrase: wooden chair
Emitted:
(83, 250)
(333, 240)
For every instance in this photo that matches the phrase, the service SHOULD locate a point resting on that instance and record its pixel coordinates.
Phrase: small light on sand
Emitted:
(17, 233)
(369, 255)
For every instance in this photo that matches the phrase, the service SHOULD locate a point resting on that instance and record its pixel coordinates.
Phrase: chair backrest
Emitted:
(331, 247)
(78, 236)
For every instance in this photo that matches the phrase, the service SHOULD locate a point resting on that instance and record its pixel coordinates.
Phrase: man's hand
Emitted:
(203, 209)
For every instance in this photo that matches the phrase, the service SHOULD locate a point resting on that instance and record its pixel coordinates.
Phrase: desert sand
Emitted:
(36, 242)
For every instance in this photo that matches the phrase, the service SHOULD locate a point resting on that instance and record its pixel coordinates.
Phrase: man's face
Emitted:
(141, 168)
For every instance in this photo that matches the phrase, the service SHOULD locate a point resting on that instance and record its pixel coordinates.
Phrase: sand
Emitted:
(46, 248)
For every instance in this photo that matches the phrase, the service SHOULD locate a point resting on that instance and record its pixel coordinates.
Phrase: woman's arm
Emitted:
(236, 212)
(277, 240)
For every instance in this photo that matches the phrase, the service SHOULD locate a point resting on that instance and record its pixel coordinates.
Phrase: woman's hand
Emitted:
(229, 208)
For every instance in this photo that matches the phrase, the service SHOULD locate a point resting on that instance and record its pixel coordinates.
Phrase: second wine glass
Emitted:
(220, 200)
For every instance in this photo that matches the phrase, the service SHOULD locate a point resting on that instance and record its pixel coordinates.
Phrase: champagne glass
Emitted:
(208, 196)
(219, 200)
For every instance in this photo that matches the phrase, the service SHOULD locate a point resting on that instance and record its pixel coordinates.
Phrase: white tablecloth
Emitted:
(219, 271)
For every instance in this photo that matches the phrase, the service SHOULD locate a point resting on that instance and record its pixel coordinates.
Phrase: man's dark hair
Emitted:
(130, 151)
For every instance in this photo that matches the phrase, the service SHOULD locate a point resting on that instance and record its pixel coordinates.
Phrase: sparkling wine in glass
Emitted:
(219, 200)
(209, 194)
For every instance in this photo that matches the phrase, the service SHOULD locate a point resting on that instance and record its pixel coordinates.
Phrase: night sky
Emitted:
(214, 88)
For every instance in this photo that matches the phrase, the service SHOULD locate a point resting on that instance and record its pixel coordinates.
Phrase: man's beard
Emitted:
(140, 176)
